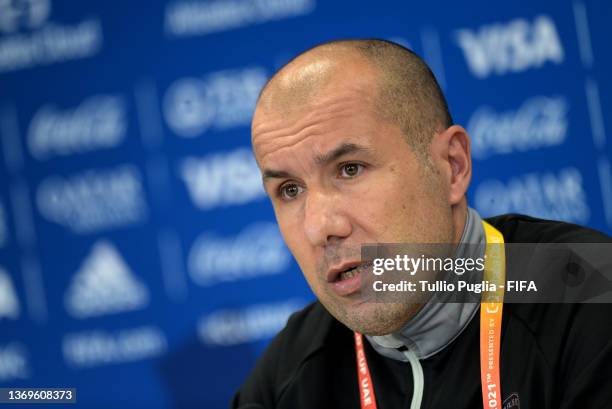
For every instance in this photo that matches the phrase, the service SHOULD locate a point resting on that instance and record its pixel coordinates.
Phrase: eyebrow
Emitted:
(271, 173)
(338, 152)
(324, 159)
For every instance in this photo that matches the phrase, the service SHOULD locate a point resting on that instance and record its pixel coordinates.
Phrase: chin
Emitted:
(377, 330)
(376, 318)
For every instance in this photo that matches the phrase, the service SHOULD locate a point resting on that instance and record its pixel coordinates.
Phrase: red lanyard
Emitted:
(366, 387)
(491, 309)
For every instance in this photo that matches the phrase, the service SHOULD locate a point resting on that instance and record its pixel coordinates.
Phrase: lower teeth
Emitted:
(347, 274)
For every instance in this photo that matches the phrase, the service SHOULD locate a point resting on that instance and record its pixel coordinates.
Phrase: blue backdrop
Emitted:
(139, 258)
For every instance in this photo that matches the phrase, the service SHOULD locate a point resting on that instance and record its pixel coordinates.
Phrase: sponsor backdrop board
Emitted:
(139, 258)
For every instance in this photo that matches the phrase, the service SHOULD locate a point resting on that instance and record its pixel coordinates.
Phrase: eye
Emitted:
(289, 191)
(350, 170)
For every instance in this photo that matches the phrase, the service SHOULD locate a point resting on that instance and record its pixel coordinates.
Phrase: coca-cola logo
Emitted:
(99, 122)
(538, 123)
(258, 250)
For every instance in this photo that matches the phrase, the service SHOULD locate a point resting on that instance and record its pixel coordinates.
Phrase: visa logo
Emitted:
(222, 179)
(515, 46)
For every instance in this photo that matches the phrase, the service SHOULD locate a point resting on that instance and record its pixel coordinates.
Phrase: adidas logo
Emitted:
(9, 307)
(104, 284)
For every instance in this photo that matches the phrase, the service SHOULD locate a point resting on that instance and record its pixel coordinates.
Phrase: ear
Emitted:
(451, 149)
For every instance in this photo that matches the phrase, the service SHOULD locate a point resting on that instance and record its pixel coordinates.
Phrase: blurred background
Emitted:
(139, 258)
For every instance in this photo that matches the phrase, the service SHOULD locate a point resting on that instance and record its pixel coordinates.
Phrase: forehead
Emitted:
(343, 110)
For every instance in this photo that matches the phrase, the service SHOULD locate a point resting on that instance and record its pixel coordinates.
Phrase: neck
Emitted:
(437, 324)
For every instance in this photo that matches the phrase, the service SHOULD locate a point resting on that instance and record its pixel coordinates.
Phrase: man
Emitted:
(356, 145)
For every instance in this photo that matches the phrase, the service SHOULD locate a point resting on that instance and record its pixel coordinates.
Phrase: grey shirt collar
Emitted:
(437, 324)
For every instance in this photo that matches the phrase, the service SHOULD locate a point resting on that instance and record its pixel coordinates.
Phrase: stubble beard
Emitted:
(371, 317)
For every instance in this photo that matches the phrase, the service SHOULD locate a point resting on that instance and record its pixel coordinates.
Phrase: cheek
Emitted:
(385, 204)
(291, 229)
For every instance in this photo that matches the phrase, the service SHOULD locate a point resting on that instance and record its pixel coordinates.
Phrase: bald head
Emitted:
(404, 89)
(307, 76)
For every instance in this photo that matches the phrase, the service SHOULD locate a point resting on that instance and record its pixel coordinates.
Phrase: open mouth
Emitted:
(347, 280)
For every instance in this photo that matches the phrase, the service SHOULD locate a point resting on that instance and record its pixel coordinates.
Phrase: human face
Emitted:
(340, 176)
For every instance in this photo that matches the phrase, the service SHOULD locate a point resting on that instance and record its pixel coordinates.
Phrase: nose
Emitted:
(325, 218)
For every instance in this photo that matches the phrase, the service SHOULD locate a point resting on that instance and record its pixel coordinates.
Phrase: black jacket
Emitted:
(552, 355)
